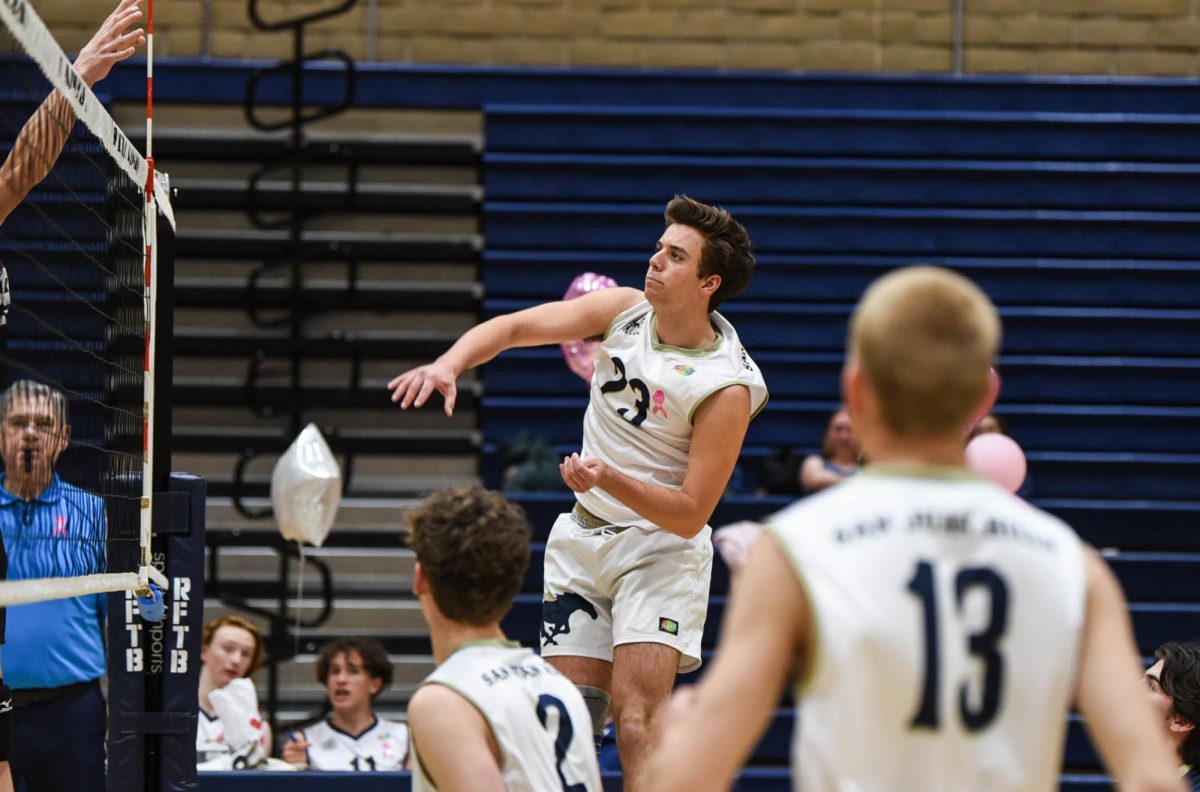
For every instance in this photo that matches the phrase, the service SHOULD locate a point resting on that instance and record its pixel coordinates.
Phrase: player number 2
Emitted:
(640, 405)
(983, 645)
(562, 742)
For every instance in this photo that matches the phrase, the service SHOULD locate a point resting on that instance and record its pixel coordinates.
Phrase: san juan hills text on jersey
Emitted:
(955, 523)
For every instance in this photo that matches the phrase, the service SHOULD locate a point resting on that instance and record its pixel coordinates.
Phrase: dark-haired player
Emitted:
(492, 715)
(627, 570)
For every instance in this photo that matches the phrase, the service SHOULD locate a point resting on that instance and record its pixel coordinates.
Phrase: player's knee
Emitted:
(633, 725)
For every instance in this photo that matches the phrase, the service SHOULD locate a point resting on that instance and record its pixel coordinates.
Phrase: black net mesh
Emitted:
(71, 241)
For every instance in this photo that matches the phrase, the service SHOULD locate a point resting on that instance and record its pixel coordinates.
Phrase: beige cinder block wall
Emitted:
(1103, 37)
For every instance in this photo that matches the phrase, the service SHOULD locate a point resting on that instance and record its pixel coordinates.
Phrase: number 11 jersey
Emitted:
(946, 619)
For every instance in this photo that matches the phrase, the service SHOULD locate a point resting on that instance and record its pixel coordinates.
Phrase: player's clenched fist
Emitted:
(582, 474)
(414, 387)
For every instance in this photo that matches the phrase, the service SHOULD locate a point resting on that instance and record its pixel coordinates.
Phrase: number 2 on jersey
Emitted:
(562, 742)
(982, 645)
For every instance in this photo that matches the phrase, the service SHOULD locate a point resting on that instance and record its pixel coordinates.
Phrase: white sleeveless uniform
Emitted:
(631, 582)
(947, 618)
(384, 746)
(536, 714)
(210, 737)
(643, 397)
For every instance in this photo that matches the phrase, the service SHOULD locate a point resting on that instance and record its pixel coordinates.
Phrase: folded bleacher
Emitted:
(1070, 201)
(1077, 217)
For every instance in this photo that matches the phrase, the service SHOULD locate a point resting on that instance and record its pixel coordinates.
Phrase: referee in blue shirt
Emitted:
(54, 655)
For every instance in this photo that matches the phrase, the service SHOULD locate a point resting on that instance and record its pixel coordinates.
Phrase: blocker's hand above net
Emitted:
(111, 44)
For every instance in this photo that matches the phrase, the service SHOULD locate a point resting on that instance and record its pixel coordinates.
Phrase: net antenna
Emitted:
(150, 221)
(30, 33)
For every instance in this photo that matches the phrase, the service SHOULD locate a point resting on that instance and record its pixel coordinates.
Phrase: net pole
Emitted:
(150, 221)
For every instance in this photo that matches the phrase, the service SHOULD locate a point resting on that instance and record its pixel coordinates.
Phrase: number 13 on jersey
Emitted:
(982, 645)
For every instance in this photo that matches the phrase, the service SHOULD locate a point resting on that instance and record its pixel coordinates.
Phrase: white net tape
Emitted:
(31, 35)
(21, 592)
(28, 29)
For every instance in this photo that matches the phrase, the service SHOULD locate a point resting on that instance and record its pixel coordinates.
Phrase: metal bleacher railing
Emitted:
(283, 327)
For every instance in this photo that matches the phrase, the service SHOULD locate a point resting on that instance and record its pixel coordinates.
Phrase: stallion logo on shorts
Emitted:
(556, 614)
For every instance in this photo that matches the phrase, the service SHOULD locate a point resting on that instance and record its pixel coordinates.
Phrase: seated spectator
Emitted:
(779, 473)
(354, 671)
(1174, 684)
(988, 424)
(530, 464)
(838, 458)
(231, 649)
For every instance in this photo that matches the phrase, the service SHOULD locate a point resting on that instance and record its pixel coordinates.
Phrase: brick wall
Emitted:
(1125, 37)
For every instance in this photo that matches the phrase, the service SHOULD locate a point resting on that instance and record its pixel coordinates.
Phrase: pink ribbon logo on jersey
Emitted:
(659, 397)
(60, 525)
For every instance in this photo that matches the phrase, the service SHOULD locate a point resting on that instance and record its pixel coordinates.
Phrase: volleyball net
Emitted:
(80, 213)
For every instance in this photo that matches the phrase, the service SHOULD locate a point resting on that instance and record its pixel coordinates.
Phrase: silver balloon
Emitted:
(306, 488)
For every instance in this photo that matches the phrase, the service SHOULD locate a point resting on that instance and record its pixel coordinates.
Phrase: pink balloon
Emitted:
(997, 457)
(581, 355)
(989, 401)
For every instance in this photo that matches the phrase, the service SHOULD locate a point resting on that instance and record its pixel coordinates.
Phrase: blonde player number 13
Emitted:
(982, 645)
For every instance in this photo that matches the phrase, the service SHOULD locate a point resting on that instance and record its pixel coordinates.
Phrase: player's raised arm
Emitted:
(709, 731)
(41, 140)
(1110, 694)
(550, 323)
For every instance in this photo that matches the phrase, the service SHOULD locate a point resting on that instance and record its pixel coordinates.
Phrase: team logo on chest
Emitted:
(60, 525)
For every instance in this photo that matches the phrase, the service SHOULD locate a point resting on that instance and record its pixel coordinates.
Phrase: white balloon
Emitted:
(306, 488)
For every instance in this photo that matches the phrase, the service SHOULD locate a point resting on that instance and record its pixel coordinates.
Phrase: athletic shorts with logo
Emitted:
(610, 586)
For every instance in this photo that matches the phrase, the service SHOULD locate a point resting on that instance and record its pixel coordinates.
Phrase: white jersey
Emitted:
(384, 746)
(210, 738)
(643, 397)
(946, 622)
(536, 714)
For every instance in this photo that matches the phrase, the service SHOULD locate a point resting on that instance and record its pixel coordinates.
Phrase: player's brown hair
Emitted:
(233, 620)
(473, 546)
(925, 338)
(1180, 679)
(727, 249)
(374, 658)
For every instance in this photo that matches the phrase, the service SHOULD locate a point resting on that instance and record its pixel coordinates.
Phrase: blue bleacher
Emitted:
(1050, 330)
(841, 278)
(1069, 200)
(814, 375)
(837, 181)
(1077, 216)
(809, 128)
(565, 226)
